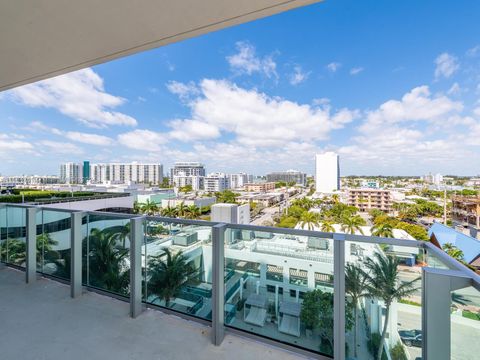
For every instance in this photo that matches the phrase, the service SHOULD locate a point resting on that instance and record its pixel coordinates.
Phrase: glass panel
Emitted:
(384, 291)
(465, 324)
(53, 243)
(15, 248)
(106, 249)
(3, 233)
(178, 263)
(273, 291)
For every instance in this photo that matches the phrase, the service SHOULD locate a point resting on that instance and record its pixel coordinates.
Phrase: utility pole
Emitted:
(445, 205)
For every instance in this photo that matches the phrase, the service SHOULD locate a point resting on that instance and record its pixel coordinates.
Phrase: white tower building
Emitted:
(327, 172)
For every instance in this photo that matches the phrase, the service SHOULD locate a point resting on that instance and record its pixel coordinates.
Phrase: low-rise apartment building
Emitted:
(366, 199)
(466, 212)
(260, 187)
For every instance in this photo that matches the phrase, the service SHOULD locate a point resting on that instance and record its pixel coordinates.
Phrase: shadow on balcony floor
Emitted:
(41, 321)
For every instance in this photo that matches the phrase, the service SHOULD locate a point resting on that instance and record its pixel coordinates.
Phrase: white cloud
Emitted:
(191, 130)
(146, 140)
(333, 66)
(246, 61)
(80, 95)
(182, 90)
(11, 143)
(446, 65)
(298, 76)
(58, 147)
(393, 135)
(256, 119)
(474, 51)
(455, 89)
(86, 138)
(356, 70)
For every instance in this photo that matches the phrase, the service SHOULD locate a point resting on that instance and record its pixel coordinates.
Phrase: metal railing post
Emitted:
(218, 283)
(437, 287)
(3, 260)
(76, 254)
(31, 244)
(136, 242)
(339, 296)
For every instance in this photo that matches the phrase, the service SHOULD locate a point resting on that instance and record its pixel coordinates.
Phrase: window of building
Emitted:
(275, 273)
(298, 277)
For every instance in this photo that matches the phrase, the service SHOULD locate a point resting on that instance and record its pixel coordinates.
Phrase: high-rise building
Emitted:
(71, 173)
(196, 182)
(216, 182)
(288, 176)
(187, 169)
(124, 173)
(238, 180)
(327, 172)
(86, 171)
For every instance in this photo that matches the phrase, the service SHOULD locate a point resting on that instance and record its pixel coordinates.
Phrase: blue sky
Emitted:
(393, 87)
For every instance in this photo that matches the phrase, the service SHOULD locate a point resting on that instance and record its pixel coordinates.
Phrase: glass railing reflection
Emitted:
(281, 287)
(177, 260)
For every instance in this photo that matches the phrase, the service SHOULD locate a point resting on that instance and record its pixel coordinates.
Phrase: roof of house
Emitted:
(444, 234)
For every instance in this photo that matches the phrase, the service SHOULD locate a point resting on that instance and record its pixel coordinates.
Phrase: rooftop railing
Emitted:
(221, 275)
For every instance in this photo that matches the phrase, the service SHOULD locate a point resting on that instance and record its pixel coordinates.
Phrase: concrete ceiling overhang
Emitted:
(45, 38)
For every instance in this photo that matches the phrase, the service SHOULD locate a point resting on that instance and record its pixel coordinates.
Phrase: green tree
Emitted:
(309, 220)
(327, 226)
(193, 212)
(149, 208)
(453, 251)
(317, 313)
(287, 222)
(181, 209)
(383, 230)
(165, 183)
(107, 261)
(351, 224)
(356, 288)
(383, 283)
(226, 196)
(170, 212)
(398, 352)
(168, 273)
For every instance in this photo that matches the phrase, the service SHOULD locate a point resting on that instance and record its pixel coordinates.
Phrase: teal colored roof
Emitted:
(444, 234)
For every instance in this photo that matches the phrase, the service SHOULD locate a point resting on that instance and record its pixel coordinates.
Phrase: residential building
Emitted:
(230, 213)
(466, 212)
(216, 182)
(260, 187)
(71, 173)
(327, 172)
(196, 182)
(86, 172)
(238, 180)
(124, 173)
(188, 201)
(187, 169)
(366, 199)
(435, 179)
(288, 176)
(33, 180)
(371, 184)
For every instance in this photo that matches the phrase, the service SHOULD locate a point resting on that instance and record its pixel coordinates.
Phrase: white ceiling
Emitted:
(44, 38)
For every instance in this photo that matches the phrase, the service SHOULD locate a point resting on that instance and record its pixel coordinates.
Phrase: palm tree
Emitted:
(327, 226)
(193, 212)
(181, 209)
(351, 224)
(45, 244)
(168, 275)
(308, 219)
(383, 230)
(149, 208)
(170, 211)
(382, 283)
(453, 251)
(107, 268)
(335, 198)
(356, 287)
(137, 208)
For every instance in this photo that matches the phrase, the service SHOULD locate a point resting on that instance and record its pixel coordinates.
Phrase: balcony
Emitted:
(288, 288)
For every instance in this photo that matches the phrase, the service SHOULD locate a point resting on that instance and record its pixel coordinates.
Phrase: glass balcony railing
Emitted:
(328, 295)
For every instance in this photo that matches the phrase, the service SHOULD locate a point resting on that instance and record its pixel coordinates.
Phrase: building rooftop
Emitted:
(94, 326)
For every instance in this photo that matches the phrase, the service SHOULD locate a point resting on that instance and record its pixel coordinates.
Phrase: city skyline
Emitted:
(256, 100)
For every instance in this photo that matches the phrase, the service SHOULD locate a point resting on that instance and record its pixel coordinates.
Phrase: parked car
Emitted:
(411, 337)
